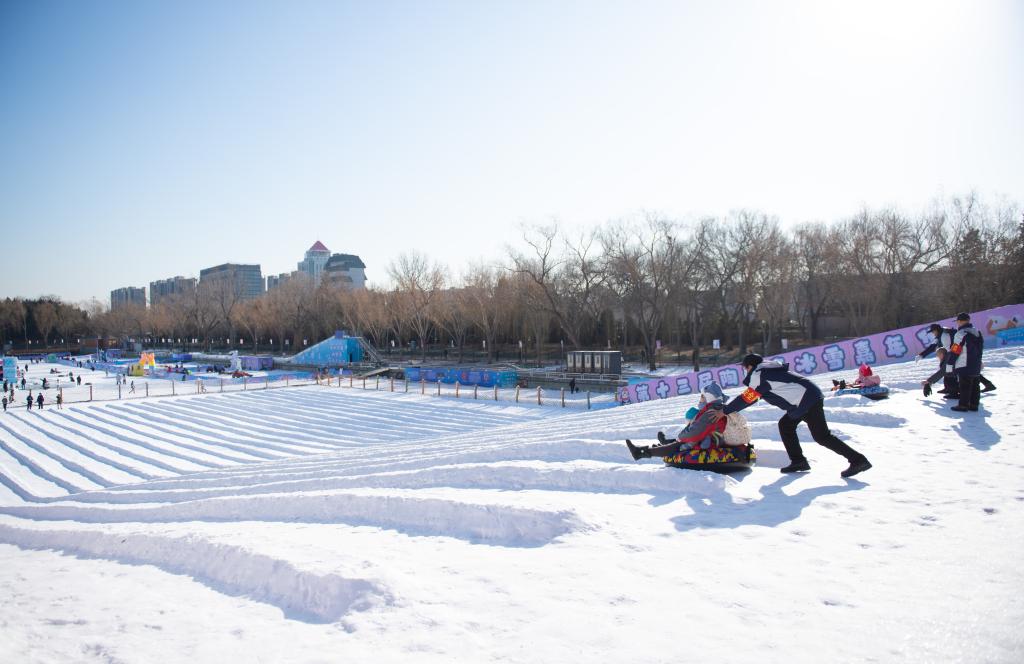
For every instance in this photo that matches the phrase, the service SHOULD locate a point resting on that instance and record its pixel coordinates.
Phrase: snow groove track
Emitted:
(346, 460)
(389, 462)
(230, 569)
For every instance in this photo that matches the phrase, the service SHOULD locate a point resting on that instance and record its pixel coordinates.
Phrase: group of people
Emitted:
(771, 381)
(959, 352)
(958, 349)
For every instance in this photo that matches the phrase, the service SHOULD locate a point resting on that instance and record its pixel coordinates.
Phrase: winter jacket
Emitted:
(938, 375)
(874, 380)
(773, 382)
(964, 356)
(702, 430)
(945, 340)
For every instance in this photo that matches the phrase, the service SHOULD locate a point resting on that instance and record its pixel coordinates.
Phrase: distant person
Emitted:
(132, 390)
(28, 401)
(572, 386)
(60, 401)
(39, 400)
(865, 378)
(5, 402)
(22, 382)
(78, 379)
(802, 401)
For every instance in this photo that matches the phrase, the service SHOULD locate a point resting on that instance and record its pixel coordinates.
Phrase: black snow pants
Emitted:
(814, 418)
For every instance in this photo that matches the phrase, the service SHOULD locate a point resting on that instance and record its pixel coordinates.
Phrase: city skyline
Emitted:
(145, 141)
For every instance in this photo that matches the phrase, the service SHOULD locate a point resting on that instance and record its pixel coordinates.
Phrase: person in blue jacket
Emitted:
(802, 401)
(964, 359)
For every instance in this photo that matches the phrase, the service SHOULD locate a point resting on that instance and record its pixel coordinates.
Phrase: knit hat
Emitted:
(865, 370)
(963, 316)
(752, 360)
(935, 329)
(712, 393)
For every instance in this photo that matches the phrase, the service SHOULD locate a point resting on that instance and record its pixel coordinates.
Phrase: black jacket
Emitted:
(773, 382)
(945, 340)
(964, 356)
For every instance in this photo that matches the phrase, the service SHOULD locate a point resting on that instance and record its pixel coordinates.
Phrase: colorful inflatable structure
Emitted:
(146, 360)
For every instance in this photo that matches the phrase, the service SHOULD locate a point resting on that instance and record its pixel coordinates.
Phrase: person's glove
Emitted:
(927, 389)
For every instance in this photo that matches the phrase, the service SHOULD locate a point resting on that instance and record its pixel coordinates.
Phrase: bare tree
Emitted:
(418, 283)
(44, 314)
(567, 276)
(487, 297)
(645, 267)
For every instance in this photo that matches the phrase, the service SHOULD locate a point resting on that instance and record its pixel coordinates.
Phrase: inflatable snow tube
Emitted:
(716, 459)
(877, 392)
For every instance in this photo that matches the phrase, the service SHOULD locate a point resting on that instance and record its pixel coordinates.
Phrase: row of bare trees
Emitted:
(639, 284)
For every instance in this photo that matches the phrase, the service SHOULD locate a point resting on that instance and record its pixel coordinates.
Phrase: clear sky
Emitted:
(141, 140)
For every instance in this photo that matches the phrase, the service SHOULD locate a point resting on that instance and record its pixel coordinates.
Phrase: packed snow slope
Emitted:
(323, 524)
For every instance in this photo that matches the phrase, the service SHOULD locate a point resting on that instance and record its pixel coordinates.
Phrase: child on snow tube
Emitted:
(866, 378)
(701, 431)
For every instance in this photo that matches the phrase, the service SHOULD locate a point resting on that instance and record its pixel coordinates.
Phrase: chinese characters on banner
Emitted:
(999, 326)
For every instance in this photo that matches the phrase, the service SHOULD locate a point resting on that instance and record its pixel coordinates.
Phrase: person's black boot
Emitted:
(968, 387)
(858, 466)
(637, 452)
(988, 384)
(661, 438)
(797, 466)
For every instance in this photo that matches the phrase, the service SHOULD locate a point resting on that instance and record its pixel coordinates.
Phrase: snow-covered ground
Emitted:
(318, 524)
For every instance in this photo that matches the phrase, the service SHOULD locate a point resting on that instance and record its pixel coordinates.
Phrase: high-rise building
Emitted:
(278, 280)
(347, 270)
(246, 281)
(315, 261)
(165, 288)
(127, 296)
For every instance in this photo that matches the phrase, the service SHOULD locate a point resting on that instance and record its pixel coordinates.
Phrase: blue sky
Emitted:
(140, 140)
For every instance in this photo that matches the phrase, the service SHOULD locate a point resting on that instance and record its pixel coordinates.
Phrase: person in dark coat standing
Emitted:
(39, 401)
(802, 401)
(944, 339)
(964, 359)
(28, 401)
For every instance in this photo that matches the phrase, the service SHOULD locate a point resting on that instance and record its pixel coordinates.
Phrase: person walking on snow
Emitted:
(39, 400)
(28, 401)
(964, 359)
(5, 402)
(802, 401)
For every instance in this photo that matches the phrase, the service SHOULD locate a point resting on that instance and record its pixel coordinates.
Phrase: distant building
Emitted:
(278, 280)
(245, 280)
(127, 296)
(166, 288)
(346, 270)
(315, 261)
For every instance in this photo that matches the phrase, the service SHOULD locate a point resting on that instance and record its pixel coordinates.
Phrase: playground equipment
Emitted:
(146, 360)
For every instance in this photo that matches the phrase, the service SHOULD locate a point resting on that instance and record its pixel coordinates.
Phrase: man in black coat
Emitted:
(802, 401)
(964, 359)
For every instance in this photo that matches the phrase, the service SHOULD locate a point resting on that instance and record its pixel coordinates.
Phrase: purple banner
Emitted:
(1000, 327)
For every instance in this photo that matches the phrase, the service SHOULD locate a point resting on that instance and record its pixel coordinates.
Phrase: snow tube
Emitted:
(877, 392)
(716, 459)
